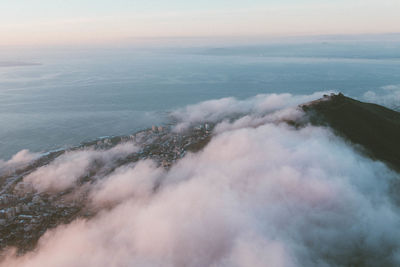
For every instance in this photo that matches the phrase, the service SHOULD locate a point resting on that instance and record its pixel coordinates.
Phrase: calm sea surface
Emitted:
(74, 95)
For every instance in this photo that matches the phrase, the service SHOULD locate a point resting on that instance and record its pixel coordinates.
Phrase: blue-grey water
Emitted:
(52, 98)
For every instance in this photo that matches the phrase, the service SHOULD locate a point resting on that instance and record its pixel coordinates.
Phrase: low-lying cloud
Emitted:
(388, 96)
(230, 107)
(260, 193)
(19, 160)
(67, 169)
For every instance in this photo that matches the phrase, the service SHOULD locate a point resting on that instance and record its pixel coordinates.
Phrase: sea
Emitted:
(52, 98)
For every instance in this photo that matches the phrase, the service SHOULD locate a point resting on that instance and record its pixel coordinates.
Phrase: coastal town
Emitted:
(25, 214)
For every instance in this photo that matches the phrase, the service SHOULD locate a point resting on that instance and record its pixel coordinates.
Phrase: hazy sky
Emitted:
(93, 21)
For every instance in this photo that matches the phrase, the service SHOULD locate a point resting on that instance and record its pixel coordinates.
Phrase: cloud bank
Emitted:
(261, 193)
(65, 171)
(388, 96)
(230, 107)
(22, 159)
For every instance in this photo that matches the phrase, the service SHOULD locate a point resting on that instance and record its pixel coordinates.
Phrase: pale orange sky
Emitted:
(27, 22)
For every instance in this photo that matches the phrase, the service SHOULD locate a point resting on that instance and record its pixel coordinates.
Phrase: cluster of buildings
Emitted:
(23, 219)
(166, 147)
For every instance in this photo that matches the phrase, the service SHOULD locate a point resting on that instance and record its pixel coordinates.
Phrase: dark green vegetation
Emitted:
(375, 128)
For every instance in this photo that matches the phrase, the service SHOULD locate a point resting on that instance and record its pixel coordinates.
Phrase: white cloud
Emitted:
(388, 96)
(19, 160)
(67, 169)
(230, 107)
(126, 182)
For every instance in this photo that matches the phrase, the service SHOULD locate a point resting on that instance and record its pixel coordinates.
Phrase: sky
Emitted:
(35, 22)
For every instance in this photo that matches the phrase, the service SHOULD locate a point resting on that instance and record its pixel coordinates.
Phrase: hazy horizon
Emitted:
(91, 22)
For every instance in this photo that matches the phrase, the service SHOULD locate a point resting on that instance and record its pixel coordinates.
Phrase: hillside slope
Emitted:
(374, 127)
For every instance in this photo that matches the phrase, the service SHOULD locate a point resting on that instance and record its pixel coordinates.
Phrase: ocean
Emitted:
(57, 98)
